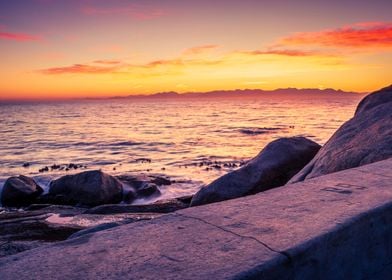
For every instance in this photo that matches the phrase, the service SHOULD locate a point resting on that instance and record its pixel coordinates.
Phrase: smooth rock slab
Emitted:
(337, 226)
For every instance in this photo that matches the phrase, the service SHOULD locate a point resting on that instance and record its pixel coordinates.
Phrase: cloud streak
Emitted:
(200, 49)
(107, 62)
(283, 52)
(79, 69)
(184, 61)
(360, 35)
(114, 66)
(18, 37)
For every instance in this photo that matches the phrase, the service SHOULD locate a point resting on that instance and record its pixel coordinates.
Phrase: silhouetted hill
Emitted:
(242, 93)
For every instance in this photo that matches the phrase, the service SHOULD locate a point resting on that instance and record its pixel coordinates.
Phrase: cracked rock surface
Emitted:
(336, 226)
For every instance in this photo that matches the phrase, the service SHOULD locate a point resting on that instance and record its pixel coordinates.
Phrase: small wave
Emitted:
(260, 130)
(82, 144)
(124, 143)
(306, 135)
(167, 144)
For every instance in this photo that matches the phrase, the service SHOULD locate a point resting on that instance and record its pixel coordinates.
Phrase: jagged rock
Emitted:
(273, 167)
(364, 139)
(20, 191)
(90, 188)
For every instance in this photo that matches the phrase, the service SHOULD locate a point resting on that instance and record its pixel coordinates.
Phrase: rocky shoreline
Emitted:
(92, 201)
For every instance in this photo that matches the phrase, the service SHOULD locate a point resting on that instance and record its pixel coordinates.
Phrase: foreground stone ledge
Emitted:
(337, 226)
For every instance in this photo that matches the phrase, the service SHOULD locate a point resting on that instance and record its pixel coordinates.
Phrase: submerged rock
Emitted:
(273, 167)
(20, 191)
(142, 186)
(90, 188)
(364, 139)
(148, 190)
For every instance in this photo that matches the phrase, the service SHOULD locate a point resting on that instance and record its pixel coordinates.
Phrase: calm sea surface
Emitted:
(193, 141)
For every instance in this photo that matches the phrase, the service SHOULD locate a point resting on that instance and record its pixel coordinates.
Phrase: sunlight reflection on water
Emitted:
(178, 137)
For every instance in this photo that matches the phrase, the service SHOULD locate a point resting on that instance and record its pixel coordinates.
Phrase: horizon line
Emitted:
(172, 93)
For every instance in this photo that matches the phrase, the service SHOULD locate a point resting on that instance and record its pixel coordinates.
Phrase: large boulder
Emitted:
(273, 167)
(90, 188)
(20, 191)
(364, 139)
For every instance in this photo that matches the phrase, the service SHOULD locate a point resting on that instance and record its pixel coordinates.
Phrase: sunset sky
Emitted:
(80, 48)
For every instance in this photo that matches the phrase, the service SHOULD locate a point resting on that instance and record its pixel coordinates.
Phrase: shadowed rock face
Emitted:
(88, 188)
(364, 139)
(162, 206)
(273, 167)
(20, 191)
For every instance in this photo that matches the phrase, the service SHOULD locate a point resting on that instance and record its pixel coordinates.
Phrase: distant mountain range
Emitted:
(221, 94)
(241, 93)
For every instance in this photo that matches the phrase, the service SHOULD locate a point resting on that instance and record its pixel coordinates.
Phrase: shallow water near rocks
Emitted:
(192, 141)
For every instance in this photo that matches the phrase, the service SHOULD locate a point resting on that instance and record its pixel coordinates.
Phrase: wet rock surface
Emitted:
(41, 224)
(273, 167)
(20, 191)
(142, 186)
(22, 230)
(364, 139)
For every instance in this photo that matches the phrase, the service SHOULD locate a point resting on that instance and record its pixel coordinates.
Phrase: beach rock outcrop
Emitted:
(20, 191)
(273, 167)
(90, 188)
(31, 228)
(364, 139)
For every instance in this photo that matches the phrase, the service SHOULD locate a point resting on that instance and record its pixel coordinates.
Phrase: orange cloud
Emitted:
(107, 62)
(200, 49)
(115, 66)
(19, 37)
(359, 35)
(79, 69)
(183, 61)
(163, 62)
(282, 52)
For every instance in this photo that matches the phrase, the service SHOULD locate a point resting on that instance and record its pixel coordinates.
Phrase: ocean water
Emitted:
(193, 141)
